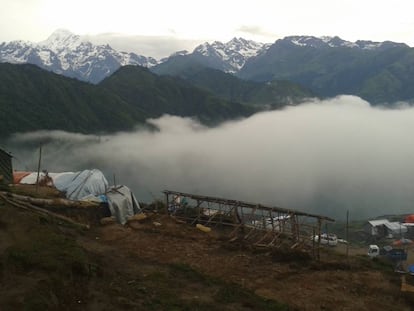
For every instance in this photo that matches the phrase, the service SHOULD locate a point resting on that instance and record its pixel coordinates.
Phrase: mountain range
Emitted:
(67, 54)
(380, 72)
(70, 55)
(78, 86)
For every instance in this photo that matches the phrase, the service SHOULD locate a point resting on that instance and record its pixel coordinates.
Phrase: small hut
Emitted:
(6, 170)
(382, 228)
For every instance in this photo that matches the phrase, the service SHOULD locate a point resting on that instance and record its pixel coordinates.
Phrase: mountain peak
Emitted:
(230, 56)
(60, 35)
(335, 42)
(61, 38)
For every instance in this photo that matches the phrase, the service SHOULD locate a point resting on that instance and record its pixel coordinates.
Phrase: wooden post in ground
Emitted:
(38, 168)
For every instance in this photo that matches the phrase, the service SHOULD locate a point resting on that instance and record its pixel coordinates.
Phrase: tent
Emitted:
(122, 203)
(81, 185)
(77, 186)
(409, 218)
(89, 185)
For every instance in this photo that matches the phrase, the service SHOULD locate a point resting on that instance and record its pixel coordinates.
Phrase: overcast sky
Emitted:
(198, 21)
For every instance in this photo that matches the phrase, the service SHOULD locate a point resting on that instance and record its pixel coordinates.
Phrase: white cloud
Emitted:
(154, 46)
(325, 157)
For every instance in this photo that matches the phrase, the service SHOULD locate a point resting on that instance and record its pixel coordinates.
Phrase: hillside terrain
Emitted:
(379, 72)
(35, 99)
(274, 94)
(166, 95)
(161, 264)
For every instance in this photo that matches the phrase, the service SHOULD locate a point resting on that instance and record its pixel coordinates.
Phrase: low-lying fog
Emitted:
(323, 157)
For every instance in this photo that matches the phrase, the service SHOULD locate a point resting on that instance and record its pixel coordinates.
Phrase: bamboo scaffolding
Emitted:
(257, 224)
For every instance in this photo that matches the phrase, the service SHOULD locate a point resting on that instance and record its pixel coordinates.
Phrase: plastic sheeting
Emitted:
(122, 203)
(76, 185)
(80, 185)
(409, 218)
(18, 176)
(91, 185)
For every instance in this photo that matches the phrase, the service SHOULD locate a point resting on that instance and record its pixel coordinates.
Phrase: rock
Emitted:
(138, 217)
(108, 220)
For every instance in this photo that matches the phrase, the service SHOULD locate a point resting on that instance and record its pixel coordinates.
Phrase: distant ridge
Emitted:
(380, 72)
(34, 99)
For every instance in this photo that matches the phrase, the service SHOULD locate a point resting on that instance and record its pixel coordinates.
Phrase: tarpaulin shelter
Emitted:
(403, 242)
(81, 185)
(409, 219)
(88, 185)
(19, 175)
(76, 185)
(122, 203)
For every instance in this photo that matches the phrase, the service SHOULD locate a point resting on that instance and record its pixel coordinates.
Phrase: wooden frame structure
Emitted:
(257, 224)
(6, 169)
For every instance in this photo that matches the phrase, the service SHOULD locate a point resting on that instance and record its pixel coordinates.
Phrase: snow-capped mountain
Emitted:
(336, 42)
(68, 54)
(71, 55)
(330, 66)
(232, 55)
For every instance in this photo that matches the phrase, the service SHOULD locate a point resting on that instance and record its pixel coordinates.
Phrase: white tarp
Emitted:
(80, 185)
(76, 185)
(92, 185)
(122, 203)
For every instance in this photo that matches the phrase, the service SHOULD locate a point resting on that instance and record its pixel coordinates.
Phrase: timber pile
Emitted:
(80, 213)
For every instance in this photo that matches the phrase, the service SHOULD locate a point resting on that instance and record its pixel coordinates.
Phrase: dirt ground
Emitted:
(161, 264)
(330, 284)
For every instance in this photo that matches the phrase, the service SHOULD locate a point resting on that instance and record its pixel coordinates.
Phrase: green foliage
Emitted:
(34, 99)
(160, 95)
(381, 75)
(47, 251)
(275, 94)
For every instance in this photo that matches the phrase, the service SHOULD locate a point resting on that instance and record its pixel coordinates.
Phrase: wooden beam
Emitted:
(246, 204)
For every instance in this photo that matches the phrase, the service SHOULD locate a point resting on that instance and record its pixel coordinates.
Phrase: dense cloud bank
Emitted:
(324, 157)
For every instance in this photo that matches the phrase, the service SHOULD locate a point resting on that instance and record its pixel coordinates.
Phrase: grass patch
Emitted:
(47, 251)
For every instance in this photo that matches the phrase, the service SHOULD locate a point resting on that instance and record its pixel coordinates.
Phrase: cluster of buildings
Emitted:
(383, 228)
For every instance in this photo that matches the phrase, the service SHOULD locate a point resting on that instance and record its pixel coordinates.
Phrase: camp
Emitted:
(87, 185)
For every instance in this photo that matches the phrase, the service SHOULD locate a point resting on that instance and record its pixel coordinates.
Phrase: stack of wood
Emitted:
(82, 212)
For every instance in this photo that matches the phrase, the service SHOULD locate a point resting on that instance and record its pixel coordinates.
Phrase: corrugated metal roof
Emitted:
(395, 227)
(378, 222)
(5, 153)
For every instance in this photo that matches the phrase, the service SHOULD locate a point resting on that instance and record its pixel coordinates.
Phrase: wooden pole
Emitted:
(28, 206)
(347, 236)
(38, 168)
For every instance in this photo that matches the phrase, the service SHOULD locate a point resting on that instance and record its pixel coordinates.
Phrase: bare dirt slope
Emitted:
(160, 264)
(331, 284)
